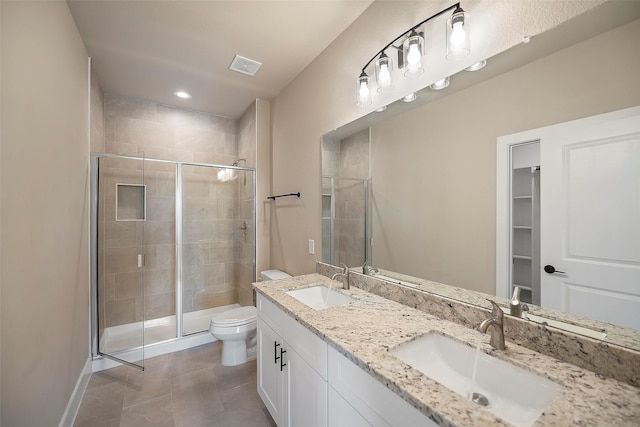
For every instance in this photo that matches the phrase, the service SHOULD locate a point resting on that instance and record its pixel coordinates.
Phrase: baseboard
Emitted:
(75, 400)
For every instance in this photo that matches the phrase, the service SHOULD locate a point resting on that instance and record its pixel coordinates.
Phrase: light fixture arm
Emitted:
(454, 6)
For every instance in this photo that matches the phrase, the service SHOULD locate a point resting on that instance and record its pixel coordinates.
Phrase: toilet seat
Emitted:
(235, 317)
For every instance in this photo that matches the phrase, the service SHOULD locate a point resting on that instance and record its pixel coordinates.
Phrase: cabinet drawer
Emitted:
(376, 403)
(309, 346)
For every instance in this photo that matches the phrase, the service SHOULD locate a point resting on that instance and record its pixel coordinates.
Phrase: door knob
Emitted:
(551, 269)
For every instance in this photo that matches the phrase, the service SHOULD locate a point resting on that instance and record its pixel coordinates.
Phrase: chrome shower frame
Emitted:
(94, 198)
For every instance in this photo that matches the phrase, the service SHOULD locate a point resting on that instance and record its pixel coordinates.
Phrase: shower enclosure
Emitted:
(172, 243)
(345, 225)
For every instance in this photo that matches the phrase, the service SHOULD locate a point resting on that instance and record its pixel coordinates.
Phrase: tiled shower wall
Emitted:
(350, 198)
(211, 277)
(347, 161)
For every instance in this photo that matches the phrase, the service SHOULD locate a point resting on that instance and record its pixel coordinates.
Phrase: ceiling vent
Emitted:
(244, 65)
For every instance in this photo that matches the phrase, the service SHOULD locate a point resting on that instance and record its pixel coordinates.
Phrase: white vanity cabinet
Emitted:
(305, 383)
(363, 401)
(292, 369)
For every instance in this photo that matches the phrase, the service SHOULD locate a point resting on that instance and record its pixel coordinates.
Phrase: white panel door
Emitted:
(590, 217)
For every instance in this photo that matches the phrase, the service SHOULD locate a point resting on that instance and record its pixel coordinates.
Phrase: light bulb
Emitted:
(384, 76)
(363, 91)
(458, 35)
(413, 57)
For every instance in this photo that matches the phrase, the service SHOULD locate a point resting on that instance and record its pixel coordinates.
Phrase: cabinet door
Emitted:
(270, 382)
(341, 414)
(307, 394)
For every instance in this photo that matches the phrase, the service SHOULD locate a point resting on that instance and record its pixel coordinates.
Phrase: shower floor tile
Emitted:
(187, 388)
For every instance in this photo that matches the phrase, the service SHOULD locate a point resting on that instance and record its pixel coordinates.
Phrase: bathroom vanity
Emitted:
(339, 365)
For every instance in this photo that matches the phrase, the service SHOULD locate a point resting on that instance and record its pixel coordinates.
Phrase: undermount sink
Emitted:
(319, 297)
(511, 393)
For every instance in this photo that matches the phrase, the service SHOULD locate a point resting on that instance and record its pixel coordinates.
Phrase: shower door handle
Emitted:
(282, 365)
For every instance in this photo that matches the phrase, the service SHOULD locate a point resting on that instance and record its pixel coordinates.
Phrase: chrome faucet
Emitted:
(497, 332)
(369, 270)
(344, 276)
(516, 307)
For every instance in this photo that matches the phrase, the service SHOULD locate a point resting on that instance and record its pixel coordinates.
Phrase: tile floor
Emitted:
(189, 388)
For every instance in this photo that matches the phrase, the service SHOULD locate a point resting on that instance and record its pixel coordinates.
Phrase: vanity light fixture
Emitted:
(364, 93)
(182, 94)
(384, 67)
(413, 49)
(410, 47)
(440, 84)
(458, 45)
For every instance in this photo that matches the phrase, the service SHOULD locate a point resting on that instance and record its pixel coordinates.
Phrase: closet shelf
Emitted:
(527, 257)
(525, 287)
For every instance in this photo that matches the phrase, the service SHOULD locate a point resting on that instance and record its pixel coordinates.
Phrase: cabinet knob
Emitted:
(551, 269)
(282, 365)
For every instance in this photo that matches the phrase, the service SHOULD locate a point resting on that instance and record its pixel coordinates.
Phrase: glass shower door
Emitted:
(120, 206)
(217, 242)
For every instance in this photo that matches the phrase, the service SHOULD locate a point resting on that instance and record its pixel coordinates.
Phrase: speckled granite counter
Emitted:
(364, 330)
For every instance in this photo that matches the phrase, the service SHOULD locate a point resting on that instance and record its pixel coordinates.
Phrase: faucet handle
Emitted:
(345, 268)
(496, 311)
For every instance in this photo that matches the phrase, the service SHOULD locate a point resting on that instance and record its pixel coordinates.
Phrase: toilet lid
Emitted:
(236, 316)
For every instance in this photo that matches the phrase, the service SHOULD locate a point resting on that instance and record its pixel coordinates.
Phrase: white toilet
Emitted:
(236, 328)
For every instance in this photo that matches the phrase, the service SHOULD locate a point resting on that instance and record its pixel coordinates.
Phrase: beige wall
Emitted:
(438, 162)
(322, 98)
(263, 186)
(45, 268)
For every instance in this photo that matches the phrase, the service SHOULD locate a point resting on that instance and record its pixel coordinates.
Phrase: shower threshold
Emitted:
(123, 337)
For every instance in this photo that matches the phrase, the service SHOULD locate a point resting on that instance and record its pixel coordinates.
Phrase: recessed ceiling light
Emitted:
(477, 66)
(182, 94)
(440, 84)
(381, 109)
(410, 98)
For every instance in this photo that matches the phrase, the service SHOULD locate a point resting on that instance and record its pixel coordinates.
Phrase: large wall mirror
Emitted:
(430, 165)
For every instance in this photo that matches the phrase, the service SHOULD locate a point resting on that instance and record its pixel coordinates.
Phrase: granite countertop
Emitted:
(366, 328)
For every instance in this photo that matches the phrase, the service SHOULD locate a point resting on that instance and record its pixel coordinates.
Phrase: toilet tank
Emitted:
(273, 275)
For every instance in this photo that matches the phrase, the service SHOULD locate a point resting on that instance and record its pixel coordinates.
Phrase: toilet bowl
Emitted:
(236, 328)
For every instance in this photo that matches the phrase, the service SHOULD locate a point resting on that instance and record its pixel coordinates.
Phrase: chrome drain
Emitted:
(479, 399)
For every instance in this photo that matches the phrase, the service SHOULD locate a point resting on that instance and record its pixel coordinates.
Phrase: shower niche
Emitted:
(172, 244)
(131, 202)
